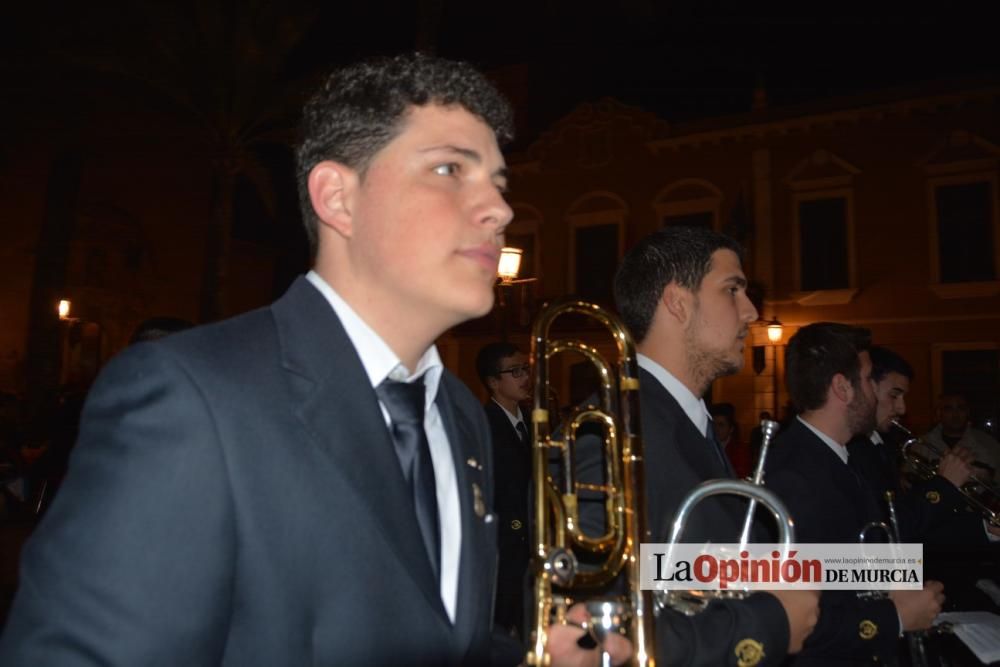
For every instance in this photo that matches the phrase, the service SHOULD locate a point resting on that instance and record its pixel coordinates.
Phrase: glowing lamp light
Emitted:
(510, 264)
(774, 331)
(64, 305)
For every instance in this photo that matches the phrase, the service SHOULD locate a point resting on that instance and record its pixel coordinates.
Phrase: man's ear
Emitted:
(331, 185)
(842, 388)
(491, 383)
(677, 301)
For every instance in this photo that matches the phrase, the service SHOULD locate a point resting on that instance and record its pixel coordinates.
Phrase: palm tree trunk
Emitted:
(218, 242)
(44, 350)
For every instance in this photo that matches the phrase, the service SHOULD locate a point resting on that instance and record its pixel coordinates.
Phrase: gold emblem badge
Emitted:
(933, 497)
(477, 501)
(473, 463)
(749, 652)
(867, 629)
(516, 524)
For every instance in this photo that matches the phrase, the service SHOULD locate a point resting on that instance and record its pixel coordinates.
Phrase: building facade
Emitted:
(880, 211)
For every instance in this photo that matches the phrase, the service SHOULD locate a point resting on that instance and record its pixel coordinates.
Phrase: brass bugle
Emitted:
(768, 428)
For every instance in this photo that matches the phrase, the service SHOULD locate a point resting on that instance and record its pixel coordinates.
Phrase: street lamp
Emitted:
(507, 270)
(774, 333)
(510, 265)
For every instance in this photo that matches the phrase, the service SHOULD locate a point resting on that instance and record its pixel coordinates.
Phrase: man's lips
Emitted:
(487, 255)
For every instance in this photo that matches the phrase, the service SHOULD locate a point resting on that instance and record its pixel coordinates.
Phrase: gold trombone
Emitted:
(557, 536)
(978, 494)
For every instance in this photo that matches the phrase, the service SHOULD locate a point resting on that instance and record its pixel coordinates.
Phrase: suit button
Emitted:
(516, 524)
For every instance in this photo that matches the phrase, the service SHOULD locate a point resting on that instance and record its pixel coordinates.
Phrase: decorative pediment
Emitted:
(960, 151)
(595, 134)
(822, 169)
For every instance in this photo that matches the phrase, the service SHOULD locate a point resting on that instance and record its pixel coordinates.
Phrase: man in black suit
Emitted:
(829, 379)
(931, 511)
(305, 484)
(506, 374)
(681, 292)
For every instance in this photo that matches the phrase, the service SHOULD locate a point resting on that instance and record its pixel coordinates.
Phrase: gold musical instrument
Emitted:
(557, 536)
(980, 495)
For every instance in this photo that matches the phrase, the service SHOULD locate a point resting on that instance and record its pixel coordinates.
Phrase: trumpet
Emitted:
(556, 536)
(980, 496)
(693, 602)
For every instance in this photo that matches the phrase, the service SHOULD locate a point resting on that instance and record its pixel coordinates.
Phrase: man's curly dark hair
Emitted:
(361, 107)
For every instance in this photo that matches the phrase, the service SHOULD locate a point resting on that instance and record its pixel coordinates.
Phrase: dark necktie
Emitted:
(522, 431)
(869, 503)
(717, 446)
(405, 403)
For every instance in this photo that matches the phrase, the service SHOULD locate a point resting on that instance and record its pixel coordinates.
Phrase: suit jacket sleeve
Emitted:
(939, 515)
(850, 627)
(729, 632)
(132, 564)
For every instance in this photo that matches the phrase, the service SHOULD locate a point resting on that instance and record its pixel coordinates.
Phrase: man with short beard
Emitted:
(930, 511)
(828, 370)
(681, 292)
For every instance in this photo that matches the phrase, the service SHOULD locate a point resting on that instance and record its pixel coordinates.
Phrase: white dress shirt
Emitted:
(514, 419)
(380, 363)
(693, 406)
(837, 448)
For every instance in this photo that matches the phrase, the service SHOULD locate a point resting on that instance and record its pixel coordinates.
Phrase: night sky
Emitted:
(683, 60)
(211, 78)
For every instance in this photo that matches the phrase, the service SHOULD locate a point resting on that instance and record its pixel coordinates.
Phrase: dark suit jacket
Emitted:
(931, 511)
(512, 475)
(678, 458)
(831, 504)
(235, 499)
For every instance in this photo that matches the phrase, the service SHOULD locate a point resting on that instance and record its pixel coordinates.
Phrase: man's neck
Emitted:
(833, 426)
(408, 335)
(675, 362)
(507, 404)
(948, 433)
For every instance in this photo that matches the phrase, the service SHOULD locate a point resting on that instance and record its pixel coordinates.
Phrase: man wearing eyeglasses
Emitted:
(505, 372)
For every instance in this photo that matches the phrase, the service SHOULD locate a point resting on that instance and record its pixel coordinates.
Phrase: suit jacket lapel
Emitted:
(338, 408)
(843, 476)
(701, 453)
(470, 457)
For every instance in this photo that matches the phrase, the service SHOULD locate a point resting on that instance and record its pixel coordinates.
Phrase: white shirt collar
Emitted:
(377, 358)
(876, 438)
(693, 406)
(515, 419)
(837, 448)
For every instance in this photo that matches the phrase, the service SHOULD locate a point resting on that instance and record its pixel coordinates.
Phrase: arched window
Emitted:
(597, 228)
(691, 202)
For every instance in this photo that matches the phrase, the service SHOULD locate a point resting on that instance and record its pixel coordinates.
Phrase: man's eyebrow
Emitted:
(467, 153)
(739, 281)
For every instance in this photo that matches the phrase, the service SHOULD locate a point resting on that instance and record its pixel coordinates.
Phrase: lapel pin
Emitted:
(477, 501)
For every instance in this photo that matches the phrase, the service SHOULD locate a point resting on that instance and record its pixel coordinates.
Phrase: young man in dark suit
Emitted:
(506, 374)
(681, 292)
(306, 483)
(829, 379)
